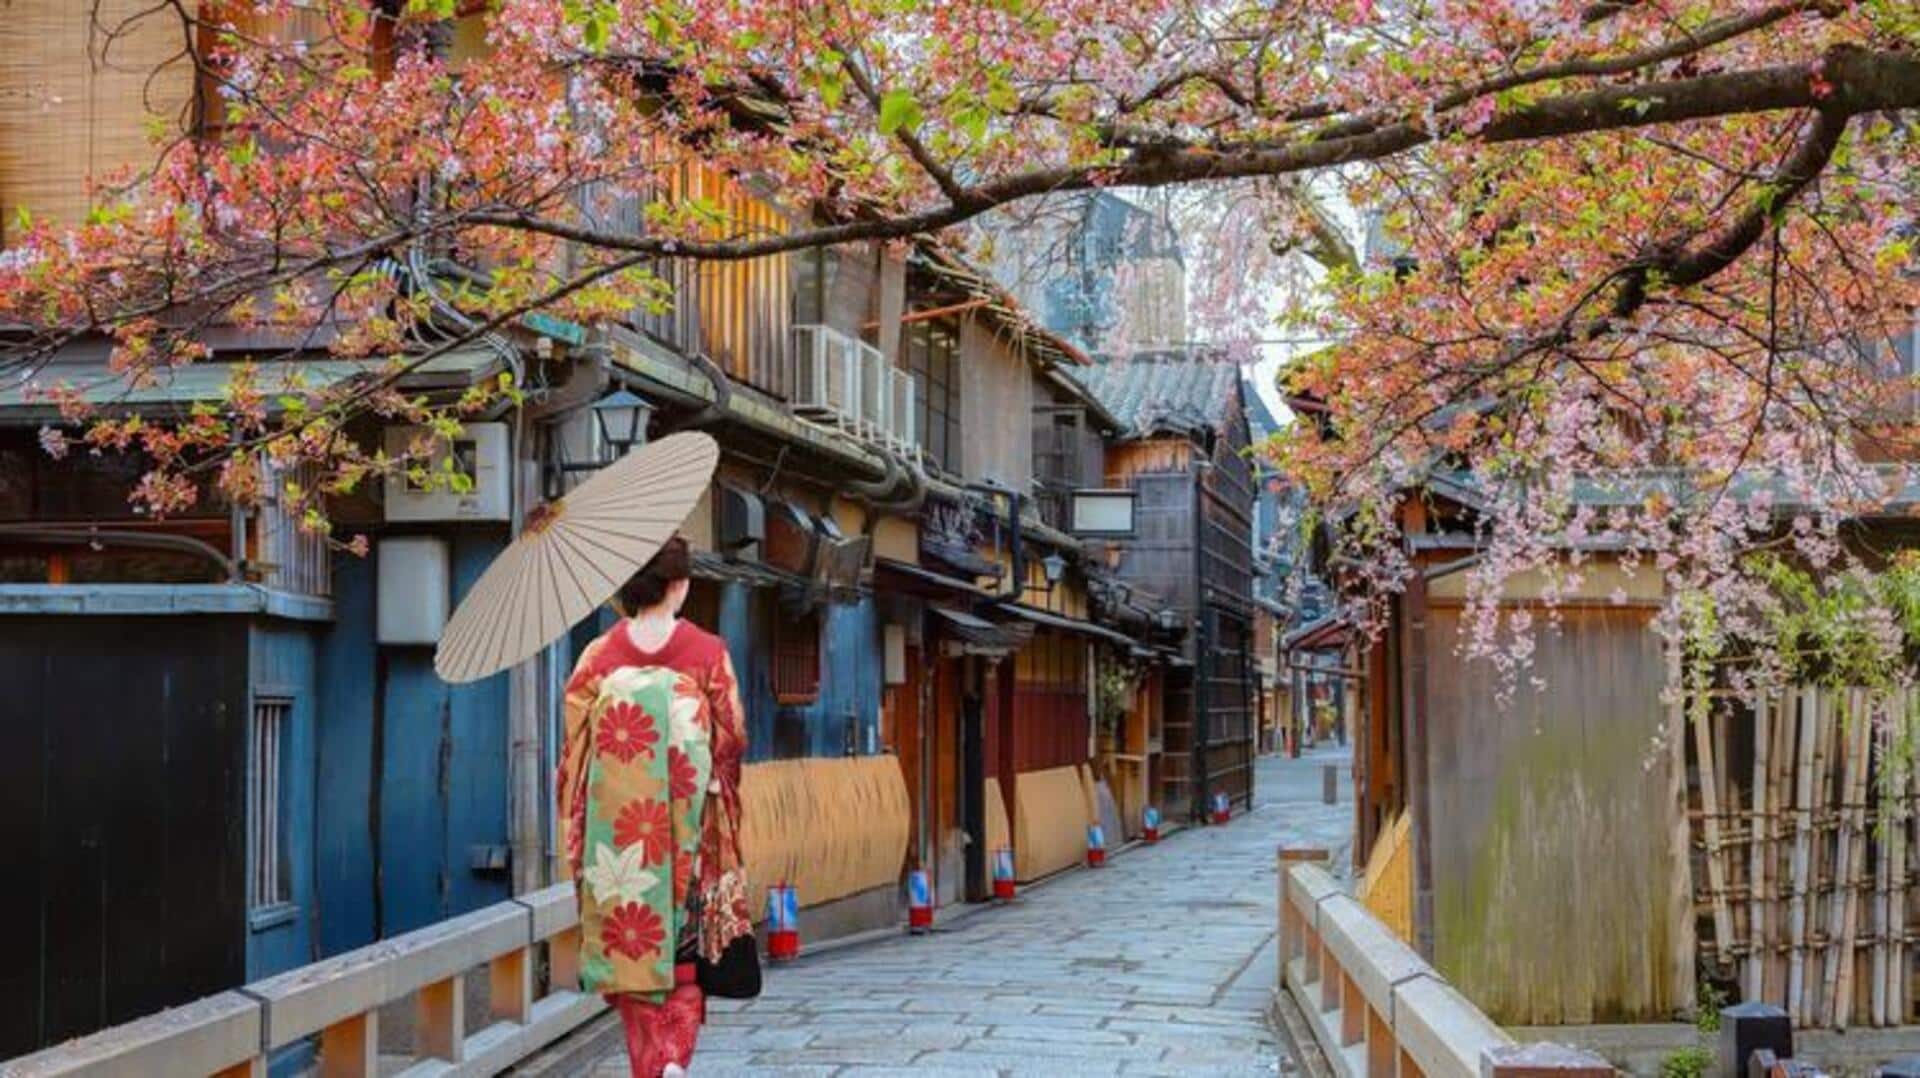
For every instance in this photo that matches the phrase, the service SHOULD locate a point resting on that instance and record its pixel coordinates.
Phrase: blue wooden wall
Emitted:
(413, 772)
(282, 664)
(849, 678)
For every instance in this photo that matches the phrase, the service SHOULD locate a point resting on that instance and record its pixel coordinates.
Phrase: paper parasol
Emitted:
(574, 554)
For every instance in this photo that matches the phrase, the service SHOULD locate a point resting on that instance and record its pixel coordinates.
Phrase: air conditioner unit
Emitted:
(906, 412)
(481, 453)
(876, 394)
(826, 382)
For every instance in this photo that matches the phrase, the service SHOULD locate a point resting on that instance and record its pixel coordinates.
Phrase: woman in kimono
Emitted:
(649, 806)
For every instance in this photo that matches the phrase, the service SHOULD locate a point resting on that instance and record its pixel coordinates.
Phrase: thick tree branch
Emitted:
(1845, 82)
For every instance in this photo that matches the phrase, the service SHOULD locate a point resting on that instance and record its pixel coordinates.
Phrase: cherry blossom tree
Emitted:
(1645, 248)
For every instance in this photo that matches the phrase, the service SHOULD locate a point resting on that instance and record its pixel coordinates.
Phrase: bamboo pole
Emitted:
(1898, 991)
(1757, 851)
(1841, 906)
(1780, 799)
(1882, 881)
(1818, 941)
(1710, 824)
(1802, 850)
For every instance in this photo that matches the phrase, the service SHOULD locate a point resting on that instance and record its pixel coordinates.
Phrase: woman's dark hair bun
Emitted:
(647, 587)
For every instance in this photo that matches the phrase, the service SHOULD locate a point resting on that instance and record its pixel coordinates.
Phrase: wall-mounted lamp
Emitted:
(1055, 568)
(623, 417)
(620, 418)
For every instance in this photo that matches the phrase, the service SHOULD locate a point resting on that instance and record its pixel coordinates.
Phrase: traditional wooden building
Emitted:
(1183, 452)
(1599, 850)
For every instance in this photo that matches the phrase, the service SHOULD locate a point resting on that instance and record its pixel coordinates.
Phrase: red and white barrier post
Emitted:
(783, 922)
(919, 901)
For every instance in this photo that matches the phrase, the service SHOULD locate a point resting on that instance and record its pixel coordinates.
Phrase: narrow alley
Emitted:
(1160, 963)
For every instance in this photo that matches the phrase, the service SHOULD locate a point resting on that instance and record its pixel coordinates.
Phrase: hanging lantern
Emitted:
(919, 901)
(1150, 820)
(1096, 846)
(783, 922)
(1222, 807)
(1003, 874)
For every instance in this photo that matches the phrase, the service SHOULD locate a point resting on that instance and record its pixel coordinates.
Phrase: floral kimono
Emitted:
(649, 799)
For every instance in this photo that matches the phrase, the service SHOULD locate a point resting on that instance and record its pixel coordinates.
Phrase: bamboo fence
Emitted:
(1802, 820)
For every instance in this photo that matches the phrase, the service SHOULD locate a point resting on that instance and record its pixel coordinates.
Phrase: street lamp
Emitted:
(622, 416)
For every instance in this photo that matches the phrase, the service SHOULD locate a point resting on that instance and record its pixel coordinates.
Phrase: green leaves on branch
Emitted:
(899, 109)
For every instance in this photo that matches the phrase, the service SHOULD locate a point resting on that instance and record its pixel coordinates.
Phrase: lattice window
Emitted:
(266, 792)
(796, 659)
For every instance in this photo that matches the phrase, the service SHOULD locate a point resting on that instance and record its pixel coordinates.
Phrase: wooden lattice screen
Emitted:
(1804, 851)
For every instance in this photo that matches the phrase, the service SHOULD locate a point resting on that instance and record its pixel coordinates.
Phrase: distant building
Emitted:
(1102, 271)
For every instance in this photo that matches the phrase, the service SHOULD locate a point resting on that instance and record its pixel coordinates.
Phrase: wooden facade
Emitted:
(1594, 852)
(1192, 548)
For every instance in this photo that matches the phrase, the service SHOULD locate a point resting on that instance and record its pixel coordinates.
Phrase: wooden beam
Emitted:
(933, 312)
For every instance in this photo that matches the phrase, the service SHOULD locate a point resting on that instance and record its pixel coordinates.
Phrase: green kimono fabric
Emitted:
(649, 761)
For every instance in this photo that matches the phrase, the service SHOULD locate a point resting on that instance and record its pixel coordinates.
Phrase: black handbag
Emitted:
(736, 975)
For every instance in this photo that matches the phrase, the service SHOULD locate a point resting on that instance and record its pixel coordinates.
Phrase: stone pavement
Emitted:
(1162, 962)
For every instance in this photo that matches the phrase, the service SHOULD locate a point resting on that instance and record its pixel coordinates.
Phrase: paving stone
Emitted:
(1160, 964)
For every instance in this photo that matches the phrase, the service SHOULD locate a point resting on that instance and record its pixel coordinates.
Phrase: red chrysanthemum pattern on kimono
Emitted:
(648, 825)
(682, 776)
(626, 731)
(632, 931)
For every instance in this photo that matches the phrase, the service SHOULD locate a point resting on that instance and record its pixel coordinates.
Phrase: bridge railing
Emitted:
(1379, 1010)
(338, 1002)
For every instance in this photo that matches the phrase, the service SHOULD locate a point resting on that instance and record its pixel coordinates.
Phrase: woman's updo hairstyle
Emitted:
(648, 586)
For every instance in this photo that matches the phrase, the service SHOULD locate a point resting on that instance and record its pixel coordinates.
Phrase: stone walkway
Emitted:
(1160, 963)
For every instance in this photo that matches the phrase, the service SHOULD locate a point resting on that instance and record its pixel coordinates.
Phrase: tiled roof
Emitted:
(1164, 392)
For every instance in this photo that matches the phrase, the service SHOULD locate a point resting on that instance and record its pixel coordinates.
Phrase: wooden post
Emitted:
(351, 1048)
(439, 1020)
(1681, 960)
(1353, 1012)
(563, 959)
(1332, 978)
(510, 986)
(1382, 1050)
